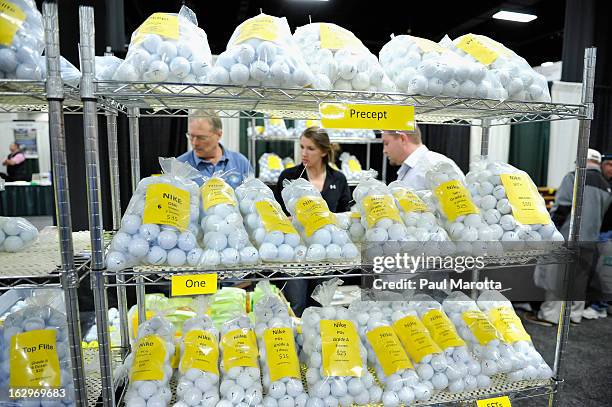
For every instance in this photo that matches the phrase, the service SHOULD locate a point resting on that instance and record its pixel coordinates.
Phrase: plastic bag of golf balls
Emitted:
(402, 384)
(339, 59)
(288, 162)
(270, 167)
(106, 66)
(483, 338)
(268, 226)
(519, 80)
(356, 230)
(351, 167)
(262, 52)
(167, 47)
(316, 223)
(432, 342)
(149, 364)
(300, 125)
(511, 205)
(68, 72)
(274, 127)
(420, 66)
(277, 351)
(160, 225)
(198, 383)
(16, 234)
(36, 351)
(240, 374)
(501, 314)
(22, 40)
(334, 355)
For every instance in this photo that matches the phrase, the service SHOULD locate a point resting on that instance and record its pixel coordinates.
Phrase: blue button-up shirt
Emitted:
(234, 166)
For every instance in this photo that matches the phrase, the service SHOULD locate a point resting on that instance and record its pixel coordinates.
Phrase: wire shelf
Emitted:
(340, 140)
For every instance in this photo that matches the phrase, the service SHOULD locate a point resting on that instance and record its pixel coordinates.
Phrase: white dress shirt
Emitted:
(414, 167)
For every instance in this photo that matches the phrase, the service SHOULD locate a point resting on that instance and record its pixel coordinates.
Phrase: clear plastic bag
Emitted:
(316, 223)
(198, 383)
(240, 374)
(167, 47)
(16, 234)
(277, 351)
(36, 351)
(262, 52)
(288, 162)
(351, 167)
(267, 225)
(270, 167)
(339, 59)
(420, 66)
(68, 72)
(402, 385)
(22, 40)
(160, 225)
(514, 74)
(106, 66)
(334, 355)
(274, 127)
(225, 241)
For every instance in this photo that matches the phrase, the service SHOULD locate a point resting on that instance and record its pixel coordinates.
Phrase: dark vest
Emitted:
(16, 172)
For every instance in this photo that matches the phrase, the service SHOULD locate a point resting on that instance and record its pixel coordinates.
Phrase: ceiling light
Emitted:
(514, 16)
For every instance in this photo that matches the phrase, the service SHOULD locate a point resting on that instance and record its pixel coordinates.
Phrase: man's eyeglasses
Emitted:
(194, 137)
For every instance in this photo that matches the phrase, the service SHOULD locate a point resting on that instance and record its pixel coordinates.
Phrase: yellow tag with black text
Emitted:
(193, 284)
(281, 354)
(340, 348)
(239, 349)
(377, 207)
(11, 20)
(415, 337)
(273, 217)
(335, 37)
(201, 352)
(262, 27)
(502, 401)
(480, 326)
(528, 206)
(313, 213)
(167, 205)
(441, 329)
(215, 192)
(455, 200)
(508, 324)
(163, 24)
(388, 350)
(409, 201)
(33, 360)
(336, 115)
(149, 359)
(485, 50)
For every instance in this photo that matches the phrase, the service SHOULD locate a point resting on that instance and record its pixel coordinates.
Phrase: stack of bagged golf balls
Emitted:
(198, 384)
(267, 225)
(317, 224)
(339, 60)
(402, 384)
(162, 52)
(281, 371)
(225, 241)
(487, 182)
(16, 234)
(331, 383)
(30, 326)
(262, 52)
(501, 313)
(515, 75)
(275, 128)
(270, 167)
(138, 242)
(24, 41)
(451, 365)
(419, 66)
(240, 374)
(156, 338)
(351, 167)
(483, 339)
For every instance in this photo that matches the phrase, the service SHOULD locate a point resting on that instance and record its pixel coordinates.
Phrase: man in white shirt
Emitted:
(406, 149)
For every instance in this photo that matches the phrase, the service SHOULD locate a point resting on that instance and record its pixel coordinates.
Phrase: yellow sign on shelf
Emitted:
(366, 116)
(193, 284)
(502, 401)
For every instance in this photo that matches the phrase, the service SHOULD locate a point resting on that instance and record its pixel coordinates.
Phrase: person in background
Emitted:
(15, 165)
(208, 155)
(407, 150)
(606, 170)
(317, 155)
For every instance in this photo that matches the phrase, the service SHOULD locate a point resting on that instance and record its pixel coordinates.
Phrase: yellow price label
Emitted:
(455, 200)
(354, 165)
(409, 201)
(508, 324)
(274, 162)
(262, 27)
(366, 116)
(281, 354)
(484, 49)
(162, 24)
(33, 359)
(388, 350)
(167, 205)
(273, 217)
(441, 329)
(11, 19)
(480, 326)
(193, 284)
(428, 46)
(149, 315)
(340, 348)
(377, 207)
(149, 359)
(527, 204)
(215, 192)
(335, 37)
(312, 212)
(415, 337)
(239, 349)
(201, 352)
(502, 401)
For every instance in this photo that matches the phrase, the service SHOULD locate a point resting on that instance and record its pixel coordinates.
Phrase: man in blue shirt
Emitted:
(208, 155)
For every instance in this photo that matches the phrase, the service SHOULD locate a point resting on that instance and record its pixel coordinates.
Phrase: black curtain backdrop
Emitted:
(529, 150)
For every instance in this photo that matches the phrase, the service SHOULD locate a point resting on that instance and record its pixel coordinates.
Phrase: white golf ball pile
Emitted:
(155, 244)
(153, 393)
(16, 234)
(270, 167)
(155, 57)
(273, 244)
(19, 60)
(113, 321)
(275, 128)
(342, 64)
(351, 167)
(240, 385)
(225, 241)
(196, 387)
(356, 229)
(519, 80)
(255, 58)
(405, 385)
(420, 66)
(328, 242)
(536, 366)
(33, 318)
(489, 194)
